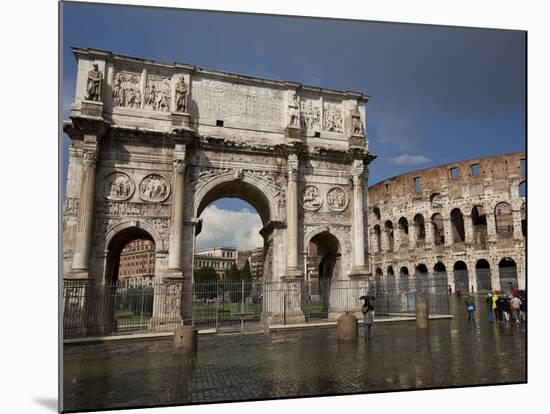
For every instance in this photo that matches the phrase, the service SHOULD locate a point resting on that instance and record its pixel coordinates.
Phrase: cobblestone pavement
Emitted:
(300, 363)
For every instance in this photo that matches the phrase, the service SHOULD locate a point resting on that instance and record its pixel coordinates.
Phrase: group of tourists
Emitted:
(500, 306)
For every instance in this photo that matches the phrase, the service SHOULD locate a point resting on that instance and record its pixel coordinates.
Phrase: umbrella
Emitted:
(367, 297)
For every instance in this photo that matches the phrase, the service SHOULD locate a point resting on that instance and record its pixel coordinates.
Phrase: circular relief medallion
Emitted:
(154, 188)
(311, 199)
(118, 186)
(337, 199)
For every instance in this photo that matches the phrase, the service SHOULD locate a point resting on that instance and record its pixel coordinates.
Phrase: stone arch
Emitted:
(479, 223)
(462, 280)
(507, 272)
(420, 227)
(376, 212)
(388, 228)
(421, 277)
(457, 225)
(390, 278)
(403, 227)
(378, 274)
(438, 231)
(246, 187)
(404, 279)
(325, 248)
(130, 223)
(503, 220)
(377, 238)
(483, 275)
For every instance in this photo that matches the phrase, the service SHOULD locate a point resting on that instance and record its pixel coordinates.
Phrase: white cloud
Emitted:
(238, 229)
(407, 159)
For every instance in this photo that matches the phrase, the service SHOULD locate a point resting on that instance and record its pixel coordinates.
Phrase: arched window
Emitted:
(420, 229)
(522, 189)
(376, 212)
(503, 220)
(388, 228)
(377, 238)
(479, 222)
(483, 275)
(438, 232)
(508, 274)
(403, 226)
(462, 281)
(457, 224)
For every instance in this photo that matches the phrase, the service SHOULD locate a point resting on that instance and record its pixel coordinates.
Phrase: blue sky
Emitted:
(439, 94)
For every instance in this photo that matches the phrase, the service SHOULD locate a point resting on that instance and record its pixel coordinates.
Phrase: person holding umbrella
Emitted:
(368, 314)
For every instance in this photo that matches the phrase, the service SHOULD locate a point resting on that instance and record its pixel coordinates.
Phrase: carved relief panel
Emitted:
(127, 89)
(311, 198)
(310, 112)
(118, 186)
(337, 199)
(333, 119)
(158, 93)
(154, 188)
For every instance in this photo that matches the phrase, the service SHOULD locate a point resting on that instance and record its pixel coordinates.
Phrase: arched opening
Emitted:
(522, 189)
(376, 212)
(233, 252)
(503, 220)
(127, 300)
(421, 277)
(420, 228)
(483, 275)
(325, 249)
(439, 279)
(479, 222)
(438, 232)
(388, 228)
(523, 220)
(390, 279)
(462, 281)
(403, 226)
(508, 274)
(404, 279)
(377, 242)
(457, 225)
(378, 281)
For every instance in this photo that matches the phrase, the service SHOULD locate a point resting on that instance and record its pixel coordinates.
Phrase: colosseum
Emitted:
(463, 220)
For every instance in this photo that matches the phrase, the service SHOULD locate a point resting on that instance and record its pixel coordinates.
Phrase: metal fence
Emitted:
(225, 306)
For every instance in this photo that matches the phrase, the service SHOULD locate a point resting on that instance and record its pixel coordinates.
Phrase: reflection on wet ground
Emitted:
(301, 363)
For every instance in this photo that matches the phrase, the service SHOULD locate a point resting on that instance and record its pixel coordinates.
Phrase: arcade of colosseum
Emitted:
(465, 219)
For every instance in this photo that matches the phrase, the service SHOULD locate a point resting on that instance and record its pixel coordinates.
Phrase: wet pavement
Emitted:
(242, 367)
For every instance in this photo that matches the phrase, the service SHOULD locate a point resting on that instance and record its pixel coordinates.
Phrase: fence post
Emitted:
(217, 302)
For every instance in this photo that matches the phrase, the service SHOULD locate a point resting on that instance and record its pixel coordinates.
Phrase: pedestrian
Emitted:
(368, 313)
(489, 306)
(450, 290)
(458, 293)
(500, 310)
(495, 310)
(470, 307)
(515, 305)
(506, 310)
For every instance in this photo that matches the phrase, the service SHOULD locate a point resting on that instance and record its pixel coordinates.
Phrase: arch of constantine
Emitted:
(465, 220)
(154, 143)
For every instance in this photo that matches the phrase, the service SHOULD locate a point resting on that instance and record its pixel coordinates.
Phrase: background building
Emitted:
(257, 262)
(220, 258)
(464, 219)
(137, 259)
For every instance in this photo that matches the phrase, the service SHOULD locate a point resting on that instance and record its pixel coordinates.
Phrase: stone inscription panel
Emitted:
(247, 104)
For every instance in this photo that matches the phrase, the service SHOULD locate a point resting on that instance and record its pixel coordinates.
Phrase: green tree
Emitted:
(232, 283)
(204, 286)
(246, 275)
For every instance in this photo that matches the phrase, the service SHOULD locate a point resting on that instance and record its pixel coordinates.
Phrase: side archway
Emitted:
(461, 277)
(483, 274)
(507, 272)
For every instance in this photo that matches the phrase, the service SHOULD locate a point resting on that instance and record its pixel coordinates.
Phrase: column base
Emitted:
(92, 109)
(359, 272)
(77, 274)
(356, 141)
(292, 132)
(181, 120)
(293, 273)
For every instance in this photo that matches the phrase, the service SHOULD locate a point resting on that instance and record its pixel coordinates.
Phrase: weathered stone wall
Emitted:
(396, 201)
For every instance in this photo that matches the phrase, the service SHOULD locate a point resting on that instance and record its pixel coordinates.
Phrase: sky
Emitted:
(438, 94)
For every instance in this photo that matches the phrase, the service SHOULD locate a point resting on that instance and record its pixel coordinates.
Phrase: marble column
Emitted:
(358, 247)
(292, 269)
(468, 228)
(178, 196)
(83, 236)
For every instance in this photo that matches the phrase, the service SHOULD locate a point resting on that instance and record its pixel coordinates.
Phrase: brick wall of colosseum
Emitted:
(468, 216)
